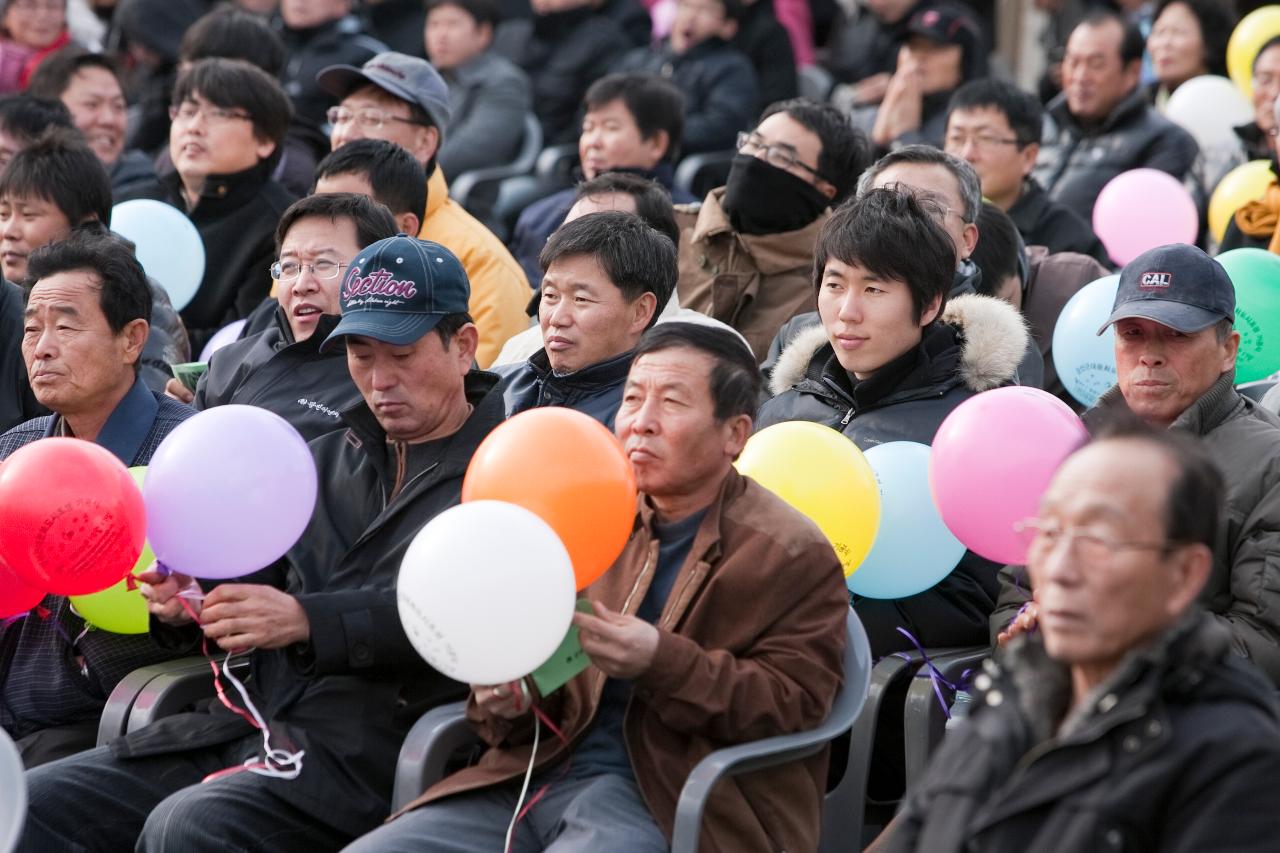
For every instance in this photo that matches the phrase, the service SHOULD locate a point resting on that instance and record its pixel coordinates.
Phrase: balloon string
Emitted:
(936, 678)
(523, 808)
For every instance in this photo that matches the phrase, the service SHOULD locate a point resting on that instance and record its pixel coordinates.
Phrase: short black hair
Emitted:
(653, 202)
(450, 325)
(53, 75)
(1216, 23)
(845, 152)
(637, 258)
(125, 294)
(26, 116)
(654, 102)
(395, 176)
(1132, 43)
(60, 168)
(894, 235)
(235, 84)
(998, 249)
(232, 33)
(372, 220)
(1021, 109)
(735, 381)
(481, 11)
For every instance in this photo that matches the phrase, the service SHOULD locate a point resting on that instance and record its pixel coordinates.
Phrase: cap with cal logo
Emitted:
(1178, 286)
(397, 289)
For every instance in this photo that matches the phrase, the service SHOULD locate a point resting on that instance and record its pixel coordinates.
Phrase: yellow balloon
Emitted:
(1245, 183)
(119, 609)
(823, 475)
(1253, 31)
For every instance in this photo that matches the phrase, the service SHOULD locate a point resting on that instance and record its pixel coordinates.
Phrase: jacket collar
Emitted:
(1029, 207)
(223, 192)
(364, 425)
(772, 253)
(324, 327)
(475, 71)
(128, 426)
(1132, 104)
(602, 374)
(1213, 408)
(437, 192)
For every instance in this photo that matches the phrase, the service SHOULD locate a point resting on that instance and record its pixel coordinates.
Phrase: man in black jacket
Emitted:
(334, 675)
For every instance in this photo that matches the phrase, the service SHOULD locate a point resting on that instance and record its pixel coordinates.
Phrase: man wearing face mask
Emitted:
(747, 249)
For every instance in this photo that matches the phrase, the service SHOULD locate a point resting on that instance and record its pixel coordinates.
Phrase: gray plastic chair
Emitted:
(1256, 390)
(924, 719)
(13, 795)
(160, 690)
(699, 174)
(815, 82)
(466, 189)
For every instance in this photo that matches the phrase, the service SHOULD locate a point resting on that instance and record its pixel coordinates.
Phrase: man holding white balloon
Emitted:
(721, 622)
(335, 682)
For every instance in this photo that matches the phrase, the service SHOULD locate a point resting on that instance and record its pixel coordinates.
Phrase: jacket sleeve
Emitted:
(491, 132)
(1015, 591)
(1254, 614)
(355, 632)
(785, 682)
(729, 104)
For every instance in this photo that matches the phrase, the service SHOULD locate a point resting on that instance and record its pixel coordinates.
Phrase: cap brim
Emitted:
(342, 80)
(393, 327)
(1184, 318)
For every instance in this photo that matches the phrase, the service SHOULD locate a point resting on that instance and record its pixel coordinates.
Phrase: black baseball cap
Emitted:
(1178, 286)
(397, 289)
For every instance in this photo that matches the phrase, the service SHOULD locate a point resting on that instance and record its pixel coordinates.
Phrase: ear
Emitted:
(970, 239)
(658, 144)
(265, 148)
(1132, 75)
(464, 345)
(737, 431)
(728, 30)
(825, 187)
(1230, 348)
(1028, 156)
(409, 224)
(931, 311)
(426, 143)
(134, 334)
(642, 311)
(1192, 565)
(485, 32)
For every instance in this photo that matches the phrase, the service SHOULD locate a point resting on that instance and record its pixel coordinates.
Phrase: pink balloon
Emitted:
(992, 460)
(1141, 209)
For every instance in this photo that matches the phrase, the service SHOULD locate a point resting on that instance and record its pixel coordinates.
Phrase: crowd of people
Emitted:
(874, 254)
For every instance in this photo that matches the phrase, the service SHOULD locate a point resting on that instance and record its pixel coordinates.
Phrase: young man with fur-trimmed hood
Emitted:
(890, 359)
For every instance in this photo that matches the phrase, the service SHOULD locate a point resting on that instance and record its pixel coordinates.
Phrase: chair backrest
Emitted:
(814, 82)
(841, 817)
(530, 146)
(1256, 390)
(699, 174)
(13, 795)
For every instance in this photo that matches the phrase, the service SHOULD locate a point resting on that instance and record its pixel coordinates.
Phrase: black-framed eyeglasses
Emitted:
(369, 118)
(188, 110)
(289, 270)
(1093, 546)
(775, 154)
(984, 141)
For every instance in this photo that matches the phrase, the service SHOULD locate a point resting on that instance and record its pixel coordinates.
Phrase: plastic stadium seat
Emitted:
(13, 795)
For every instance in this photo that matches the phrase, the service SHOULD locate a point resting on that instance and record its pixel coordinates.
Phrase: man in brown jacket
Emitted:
(746, 252)
(721, 622)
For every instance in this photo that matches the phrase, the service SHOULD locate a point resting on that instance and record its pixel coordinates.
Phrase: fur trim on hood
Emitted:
(995, 340)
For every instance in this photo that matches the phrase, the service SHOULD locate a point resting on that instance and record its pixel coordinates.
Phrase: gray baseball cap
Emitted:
(1178, 286)
(407, 77)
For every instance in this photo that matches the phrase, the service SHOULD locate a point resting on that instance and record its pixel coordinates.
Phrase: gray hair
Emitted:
(966, 177)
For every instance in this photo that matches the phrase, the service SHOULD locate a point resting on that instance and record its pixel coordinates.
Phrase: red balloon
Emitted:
(15, 596)
(72, 521)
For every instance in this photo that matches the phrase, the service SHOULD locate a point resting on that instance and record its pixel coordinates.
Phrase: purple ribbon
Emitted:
(936, 678)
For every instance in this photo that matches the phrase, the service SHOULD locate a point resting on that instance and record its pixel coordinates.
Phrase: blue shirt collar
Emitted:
(128, 426)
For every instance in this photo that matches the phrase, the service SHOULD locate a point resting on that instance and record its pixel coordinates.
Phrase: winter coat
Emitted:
(350, 694)
(236, 216)
(17, 403)
(307, 388)
(753, 282)
(1177, 750)
(595, 390)
(751, 642)
(132, 170)
(721, 96)
(764, 41)
(41, 684)
(1243, 590)
(1075, 163)
(488, 100)
(976, 346)
(1044, 222)
(310, 51)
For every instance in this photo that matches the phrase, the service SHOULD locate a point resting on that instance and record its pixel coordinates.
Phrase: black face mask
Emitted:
(762, 199)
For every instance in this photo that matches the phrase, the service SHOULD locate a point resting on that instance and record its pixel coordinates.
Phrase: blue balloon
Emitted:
(167, 245)
(914, 549)
(1085, 360)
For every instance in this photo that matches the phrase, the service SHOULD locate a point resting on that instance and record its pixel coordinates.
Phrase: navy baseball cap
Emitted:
(1178, 286)
(397, 289)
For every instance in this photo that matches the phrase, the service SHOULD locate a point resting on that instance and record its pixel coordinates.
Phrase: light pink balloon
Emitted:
(992, 460)
(1141, 209)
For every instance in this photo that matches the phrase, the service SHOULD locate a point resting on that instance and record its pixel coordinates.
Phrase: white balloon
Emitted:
(1209, 108)
(486, 592)
(167, 245)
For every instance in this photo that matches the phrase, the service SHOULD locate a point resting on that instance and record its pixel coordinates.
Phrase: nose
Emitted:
(645, 419)
(10, 230)
(1055, 563)
(850, 308)
(305, 283)
(559, 316)
(46, 345)
(969, 149)
(382, 377)
(1152, 355)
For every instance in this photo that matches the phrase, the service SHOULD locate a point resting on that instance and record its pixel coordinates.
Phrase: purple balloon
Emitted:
(228, 492)
(226, 335)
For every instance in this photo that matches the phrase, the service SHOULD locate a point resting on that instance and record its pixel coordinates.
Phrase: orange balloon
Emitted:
(569, 470)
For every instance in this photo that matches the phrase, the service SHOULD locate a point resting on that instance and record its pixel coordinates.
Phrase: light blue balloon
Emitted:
(167, 245)
(1085, 360)
(914, 549)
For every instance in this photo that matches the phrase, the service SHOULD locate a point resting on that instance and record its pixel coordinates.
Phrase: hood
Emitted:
(994, 341)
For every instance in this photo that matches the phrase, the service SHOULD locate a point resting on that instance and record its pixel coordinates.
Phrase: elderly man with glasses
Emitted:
(282, 368)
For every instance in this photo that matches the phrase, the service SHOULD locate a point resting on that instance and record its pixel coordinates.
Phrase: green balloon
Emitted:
(1256, 276)
(119, 609)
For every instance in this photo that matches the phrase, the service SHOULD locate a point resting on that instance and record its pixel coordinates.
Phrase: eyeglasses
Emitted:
(289, 270)
(1093, 546)
(778, 154)
(369, 118)
(981, 141)
(188, 111)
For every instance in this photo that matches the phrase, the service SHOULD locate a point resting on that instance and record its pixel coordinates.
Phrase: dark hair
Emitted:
(53, 75)
(1216, 24)
(1197, 491)
(1274, 41)
(125, 295)
(232, 33)
(735, 379)
(655, 104)
(637, 258)
(26, 116)
(845, 152)
(450, 325)
(998, 250)
(966, 178)
(1132, 42)
(395, 176)
(60, 168)
(372, 220)
(1021, 109)
(235, 84)
(481, 11)
(653, 202)
(895, 236)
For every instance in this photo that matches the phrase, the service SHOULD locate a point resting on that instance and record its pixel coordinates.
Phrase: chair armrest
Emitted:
(427, 748)
(115, 713)
(183, 683)
(689, 174)
(555, 163)
(13, 794)
(924, 719)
